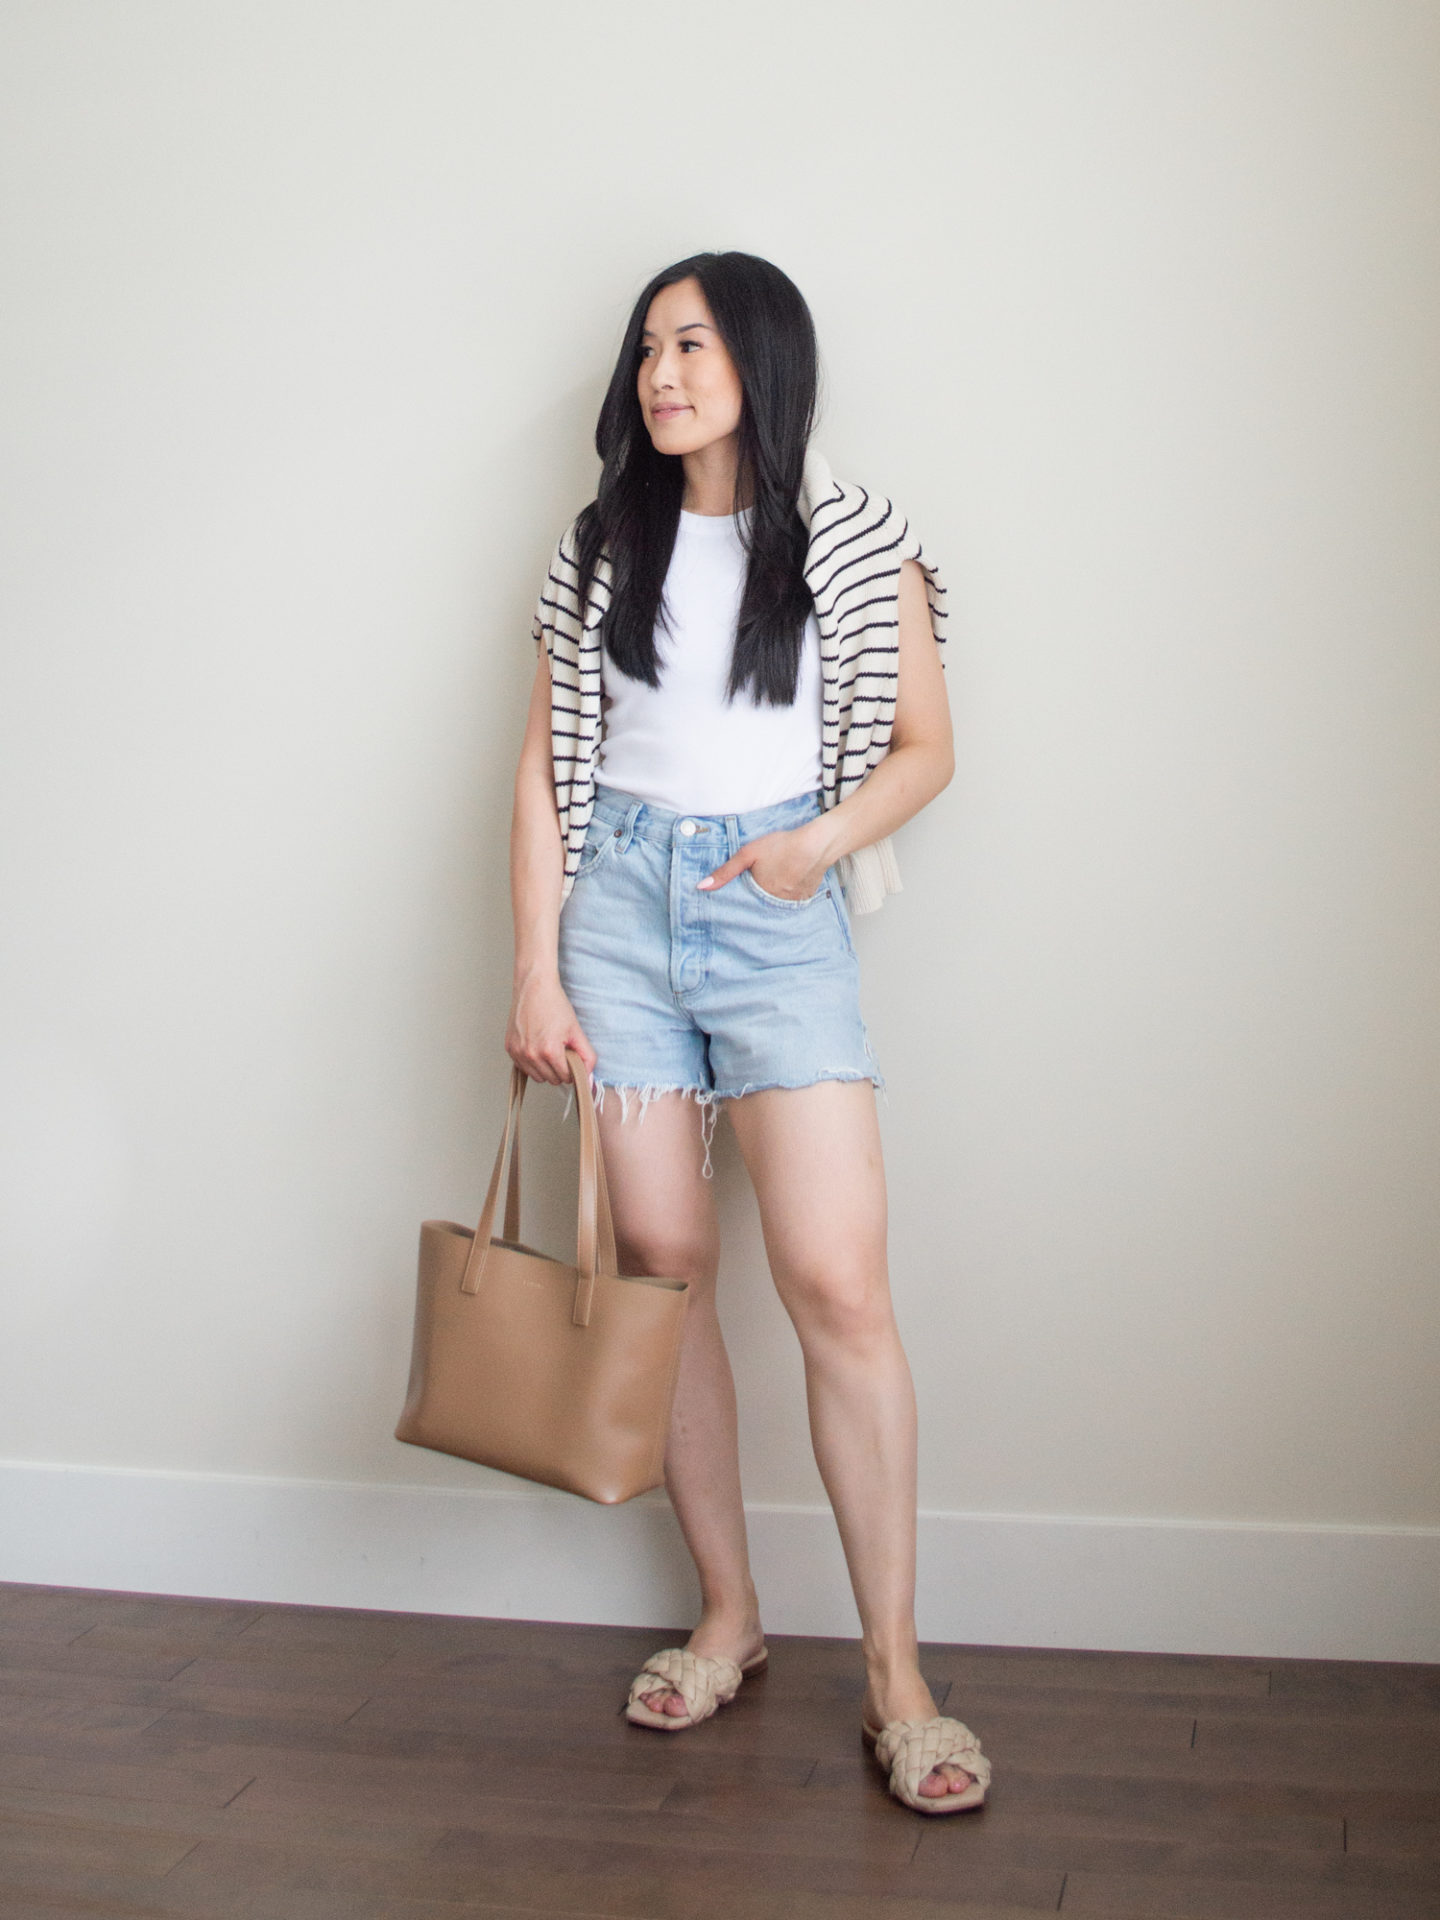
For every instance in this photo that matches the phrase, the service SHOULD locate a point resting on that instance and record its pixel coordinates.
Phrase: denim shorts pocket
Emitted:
(600, 839)
(774, 900)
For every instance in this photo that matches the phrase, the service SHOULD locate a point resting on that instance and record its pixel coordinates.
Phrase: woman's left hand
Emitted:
(790, 865)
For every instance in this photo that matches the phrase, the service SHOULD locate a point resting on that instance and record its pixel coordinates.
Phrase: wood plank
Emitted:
(96, 1846)
(33, 1711)
(297, 1700)
(239, 1820)
(41, 1889)
(441, 1787)
(1188, 1676)
(1397, 1751)
(79, 1656)
(511, 1799)
(1346, 1686)
(139, 1614)
(281, 1671)
(957, 1845)
(72, 1773)
(62, 1739)
(1184, 1897)
(1389, 1839)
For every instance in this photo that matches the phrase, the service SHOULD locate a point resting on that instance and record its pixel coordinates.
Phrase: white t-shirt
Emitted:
(682, 745)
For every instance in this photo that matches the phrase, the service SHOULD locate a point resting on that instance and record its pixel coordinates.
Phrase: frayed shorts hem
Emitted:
(708, 1099)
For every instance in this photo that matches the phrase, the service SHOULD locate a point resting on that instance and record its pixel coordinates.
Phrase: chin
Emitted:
(671, 440)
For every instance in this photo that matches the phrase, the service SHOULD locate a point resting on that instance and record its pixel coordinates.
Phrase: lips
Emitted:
(667, 413)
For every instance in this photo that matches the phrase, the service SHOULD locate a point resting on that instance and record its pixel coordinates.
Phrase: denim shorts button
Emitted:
(687, 827)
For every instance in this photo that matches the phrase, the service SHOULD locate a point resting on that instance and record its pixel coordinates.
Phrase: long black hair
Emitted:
(764, 321)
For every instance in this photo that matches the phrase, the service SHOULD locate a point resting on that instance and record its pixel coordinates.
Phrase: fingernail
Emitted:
(704, 883)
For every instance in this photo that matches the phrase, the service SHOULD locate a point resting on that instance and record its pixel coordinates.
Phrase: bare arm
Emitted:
(542, 1021)
(919, 764)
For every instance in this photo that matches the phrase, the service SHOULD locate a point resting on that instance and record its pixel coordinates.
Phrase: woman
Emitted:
(762, 643)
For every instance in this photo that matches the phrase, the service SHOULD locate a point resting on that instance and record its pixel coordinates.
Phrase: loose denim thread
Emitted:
(708, 1101)
(703, 1097)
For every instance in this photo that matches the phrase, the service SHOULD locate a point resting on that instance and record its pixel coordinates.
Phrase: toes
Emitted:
(666, 1700)
(944, 1779)
(663, 1700)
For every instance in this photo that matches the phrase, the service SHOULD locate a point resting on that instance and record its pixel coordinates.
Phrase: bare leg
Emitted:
(665, 1223)
(814, 1156)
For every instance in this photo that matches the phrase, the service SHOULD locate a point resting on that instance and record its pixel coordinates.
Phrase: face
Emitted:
(689, 391)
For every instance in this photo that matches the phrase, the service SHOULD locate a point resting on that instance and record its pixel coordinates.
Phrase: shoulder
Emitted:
(561, 591)
(567, 548)
(849, 519)
(857, 534)
(561, 573)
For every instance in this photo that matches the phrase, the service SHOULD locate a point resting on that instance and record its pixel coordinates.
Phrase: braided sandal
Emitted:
(703, 1681)
(912, 1748)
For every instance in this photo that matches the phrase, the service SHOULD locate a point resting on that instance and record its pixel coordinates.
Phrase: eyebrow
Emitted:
(648, 333)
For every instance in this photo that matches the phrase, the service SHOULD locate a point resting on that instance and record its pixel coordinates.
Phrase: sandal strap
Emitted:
(703, 1681)
(913, 1748)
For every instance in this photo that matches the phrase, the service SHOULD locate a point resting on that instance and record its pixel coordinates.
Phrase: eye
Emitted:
(686, 344)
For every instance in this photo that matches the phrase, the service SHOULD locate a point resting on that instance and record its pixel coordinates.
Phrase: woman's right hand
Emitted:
(542, 1025)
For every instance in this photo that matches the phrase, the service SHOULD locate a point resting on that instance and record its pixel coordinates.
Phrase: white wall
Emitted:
(308, 311)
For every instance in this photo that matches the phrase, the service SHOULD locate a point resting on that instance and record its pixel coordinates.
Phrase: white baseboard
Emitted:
(1357, 1593)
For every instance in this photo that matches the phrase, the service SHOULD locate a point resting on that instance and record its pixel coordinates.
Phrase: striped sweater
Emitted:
(858, 541)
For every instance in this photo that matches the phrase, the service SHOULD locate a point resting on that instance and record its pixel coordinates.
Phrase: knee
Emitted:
(843, 1305)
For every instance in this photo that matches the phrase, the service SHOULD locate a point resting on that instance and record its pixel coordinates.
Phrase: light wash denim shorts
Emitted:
(707, 994)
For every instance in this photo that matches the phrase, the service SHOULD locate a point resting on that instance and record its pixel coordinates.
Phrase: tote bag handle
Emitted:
(594, 1228)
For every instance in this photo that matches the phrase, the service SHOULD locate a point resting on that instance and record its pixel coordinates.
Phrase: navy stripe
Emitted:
(872, 626)
(865, 580)
(834, 526)
(867, 699)
(880, 525)
(871, 550)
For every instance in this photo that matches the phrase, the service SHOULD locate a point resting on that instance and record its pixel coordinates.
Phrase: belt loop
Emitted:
(733, 842)
(627, 829)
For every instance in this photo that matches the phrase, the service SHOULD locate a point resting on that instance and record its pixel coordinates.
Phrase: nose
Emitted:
(661, 368)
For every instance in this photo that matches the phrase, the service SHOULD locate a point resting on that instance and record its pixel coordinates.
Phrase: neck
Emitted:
(710, 479)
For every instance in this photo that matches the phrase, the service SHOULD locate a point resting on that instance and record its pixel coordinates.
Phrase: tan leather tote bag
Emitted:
(560, 1374)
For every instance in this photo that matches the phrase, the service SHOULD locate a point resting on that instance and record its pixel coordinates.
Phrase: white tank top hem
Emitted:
(682, 745)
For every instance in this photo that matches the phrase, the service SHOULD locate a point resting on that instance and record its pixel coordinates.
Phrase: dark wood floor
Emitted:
(191, 1757)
